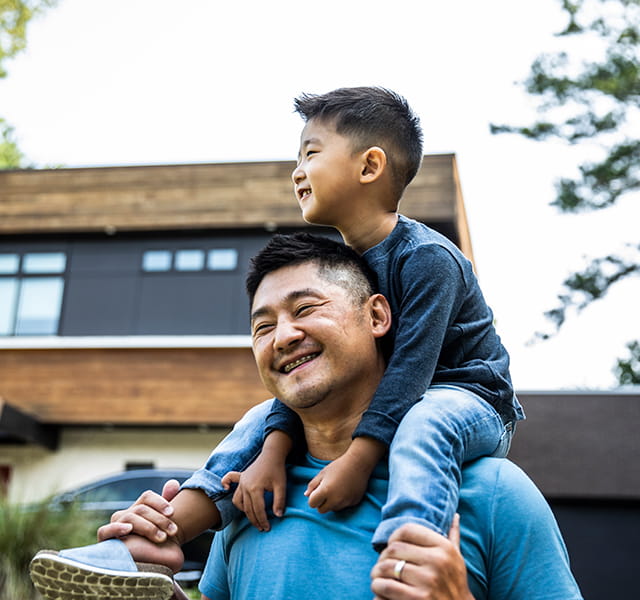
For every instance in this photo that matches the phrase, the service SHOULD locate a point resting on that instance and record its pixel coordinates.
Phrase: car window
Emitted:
(123, 490)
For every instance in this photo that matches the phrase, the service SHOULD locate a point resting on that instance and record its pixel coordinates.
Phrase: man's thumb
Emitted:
(454, 532)
(170, 489)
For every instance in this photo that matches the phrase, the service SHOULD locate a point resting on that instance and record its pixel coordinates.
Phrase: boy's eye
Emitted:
(310, 152)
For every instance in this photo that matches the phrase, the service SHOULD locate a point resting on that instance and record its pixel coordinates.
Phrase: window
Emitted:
(220, 259)
(31, 290)
(156, 260)
(189, 260)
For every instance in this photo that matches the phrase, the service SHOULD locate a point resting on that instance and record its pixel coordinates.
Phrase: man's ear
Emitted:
(374, 162)
(380, 313)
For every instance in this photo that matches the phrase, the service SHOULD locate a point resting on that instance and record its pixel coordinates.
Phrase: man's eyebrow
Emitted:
(290, 297)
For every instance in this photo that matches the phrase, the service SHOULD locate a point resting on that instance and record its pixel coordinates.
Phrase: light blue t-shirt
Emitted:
(509, 538)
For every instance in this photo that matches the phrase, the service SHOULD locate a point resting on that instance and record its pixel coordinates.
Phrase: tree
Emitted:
(593, 102)
(15, 15)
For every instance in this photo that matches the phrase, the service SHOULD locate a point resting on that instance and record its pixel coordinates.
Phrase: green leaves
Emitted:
(593, 102)
(10, 155)
(15, 15)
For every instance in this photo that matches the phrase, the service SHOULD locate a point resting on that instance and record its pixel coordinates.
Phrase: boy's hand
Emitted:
(343, 482)
(266, 474)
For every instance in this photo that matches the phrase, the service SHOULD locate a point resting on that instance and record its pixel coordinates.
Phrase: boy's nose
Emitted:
(298, 174)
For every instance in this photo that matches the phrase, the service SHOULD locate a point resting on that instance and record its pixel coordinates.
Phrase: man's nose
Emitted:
(287, 334)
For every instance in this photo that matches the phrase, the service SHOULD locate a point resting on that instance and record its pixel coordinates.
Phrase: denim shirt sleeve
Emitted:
(282, 418)
(429, 287)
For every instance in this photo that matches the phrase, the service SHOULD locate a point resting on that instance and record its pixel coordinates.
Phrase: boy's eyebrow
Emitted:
(291, 296)
(306, 143)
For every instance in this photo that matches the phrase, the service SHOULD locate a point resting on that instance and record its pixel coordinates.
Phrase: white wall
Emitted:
(86, 454)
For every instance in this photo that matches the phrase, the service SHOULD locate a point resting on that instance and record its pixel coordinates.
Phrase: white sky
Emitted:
(112, 82)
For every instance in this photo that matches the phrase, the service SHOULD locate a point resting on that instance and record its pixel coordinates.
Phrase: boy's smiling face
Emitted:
(327, 174)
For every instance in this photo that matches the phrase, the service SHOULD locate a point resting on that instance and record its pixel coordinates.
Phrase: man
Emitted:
(317, 329)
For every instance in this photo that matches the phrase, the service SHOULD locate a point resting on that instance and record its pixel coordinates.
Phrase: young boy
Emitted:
(446, 389)
(448, 374)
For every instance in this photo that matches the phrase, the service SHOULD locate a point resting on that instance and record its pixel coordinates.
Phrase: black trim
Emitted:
(17, 427)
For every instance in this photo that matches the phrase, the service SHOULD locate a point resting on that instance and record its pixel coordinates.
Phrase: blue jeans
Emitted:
(235, 453)
(446, 428)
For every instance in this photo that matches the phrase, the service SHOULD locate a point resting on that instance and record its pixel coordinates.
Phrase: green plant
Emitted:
(26, 529)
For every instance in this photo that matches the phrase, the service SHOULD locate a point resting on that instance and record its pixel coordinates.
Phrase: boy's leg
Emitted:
(449, 426)
(235, 453)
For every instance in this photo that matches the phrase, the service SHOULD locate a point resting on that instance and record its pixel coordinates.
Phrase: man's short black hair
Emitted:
(371, 116)
(336, 262)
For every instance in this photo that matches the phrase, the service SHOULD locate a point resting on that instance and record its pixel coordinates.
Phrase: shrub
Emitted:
(26, 529)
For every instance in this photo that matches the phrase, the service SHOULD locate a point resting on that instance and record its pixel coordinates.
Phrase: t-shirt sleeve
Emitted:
(214, 584)
(528, 558)
(432, 288)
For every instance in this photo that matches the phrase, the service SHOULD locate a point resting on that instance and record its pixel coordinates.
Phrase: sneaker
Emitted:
(101, 571)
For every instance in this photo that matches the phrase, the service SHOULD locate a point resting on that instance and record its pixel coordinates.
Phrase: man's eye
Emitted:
(310, 152)
(304, 308)
(262, 328)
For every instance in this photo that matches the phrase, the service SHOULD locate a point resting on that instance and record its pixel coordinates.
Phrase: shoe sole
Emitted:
(59, 578)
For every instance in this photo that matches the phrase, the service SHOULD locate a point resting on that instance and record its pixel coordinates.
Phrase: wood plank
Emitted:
(132, 386)
(186, 196)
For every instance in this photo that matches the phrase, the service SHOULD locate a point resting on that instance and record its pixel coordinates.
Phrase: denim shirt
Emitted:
(442, 331)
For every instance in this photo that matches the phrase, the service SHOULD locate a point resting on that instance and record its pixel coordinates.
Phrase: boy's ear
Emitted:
(374, 162)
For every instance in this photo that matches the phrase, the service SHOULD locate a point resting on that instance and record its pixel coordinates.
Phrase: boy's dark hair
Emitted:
(371, 116)
(336, 262)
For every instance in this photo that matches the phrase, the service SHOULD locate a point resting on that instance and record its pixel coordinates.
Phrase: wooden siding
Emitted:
(131, 386)
(165, 197)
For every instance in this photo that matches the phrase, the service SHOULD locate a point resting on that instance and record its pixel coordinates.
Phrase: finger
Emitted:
(113, 530)
(147, 522)
(252, 511)
(317, 498)
(170, 489)
(412, 533)
(229, 478)
(279, 499)
(238, 500)
(454, 532)
(259, 511)
(153, 501)
(385, 588)
(313, 484)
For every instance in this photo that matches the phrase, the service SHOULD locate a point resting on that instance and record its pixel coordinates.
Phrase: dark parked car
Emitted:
(105, 496)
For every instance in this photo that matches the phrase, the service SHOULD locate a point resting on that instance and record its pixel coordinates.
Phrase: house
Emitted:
(124, 340)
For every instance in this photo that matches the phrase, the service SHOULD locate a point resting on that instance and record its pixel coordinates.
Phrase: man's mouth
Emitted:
(299, 361)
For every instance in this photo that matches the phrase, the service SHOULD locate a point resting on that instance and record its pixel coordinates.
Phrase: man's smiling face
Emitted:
(312, 340)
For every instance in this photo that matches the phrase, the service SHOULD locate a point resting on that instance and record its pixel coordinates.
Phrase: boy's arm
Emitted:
(343, 482)
(431, 286)
(266, 473)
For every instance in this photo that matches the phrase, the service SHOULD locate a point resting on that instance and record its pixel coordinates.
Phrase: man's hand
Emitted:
(266, 474)
(149, 516)
(343, 482)
(434, 567)
(147, 529)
